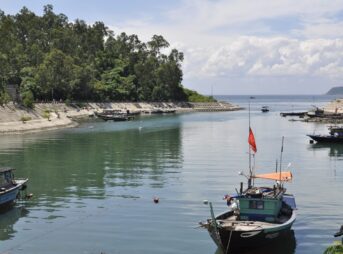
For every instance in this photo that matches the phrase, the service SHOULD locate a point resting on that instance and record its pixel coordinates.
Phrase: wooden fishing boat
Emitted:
(10, 187)
(114, 115)
(335, 135)
(256, 215)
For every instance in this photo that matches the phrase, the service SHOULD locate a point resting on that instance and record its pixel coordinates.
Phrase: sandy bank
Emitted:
(47, 116)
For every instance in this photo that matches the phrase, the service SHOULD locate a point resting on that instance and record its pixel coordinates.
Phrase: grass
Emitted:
(46, 114)
(336, 248)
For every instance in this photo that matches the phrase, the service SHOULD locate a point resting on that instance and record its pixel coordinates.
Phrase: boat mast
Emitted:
(281, 156)
(250, 170)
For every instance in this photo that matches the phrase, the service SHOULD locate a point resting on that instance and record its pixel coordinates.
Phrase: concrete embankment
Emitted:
(45, 116)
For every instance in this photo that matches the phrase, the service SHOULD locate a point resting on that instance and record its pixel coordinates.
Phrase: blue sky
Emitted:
(234, 46)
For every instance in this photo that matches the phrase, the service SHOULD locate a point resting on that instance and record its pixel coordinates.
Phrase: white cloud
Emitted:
(239, 39)
(253, 56)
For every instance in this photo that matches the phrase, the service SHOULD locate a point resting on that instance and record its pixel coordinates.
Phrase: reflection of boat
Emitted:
(334, 150)
(10, 187)
(7, 220)
(257, 215)
(265, 109)
(335, 135)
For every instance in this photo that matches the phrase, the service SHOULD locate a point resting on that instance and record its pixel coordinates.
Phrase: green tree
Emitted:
(55, 75)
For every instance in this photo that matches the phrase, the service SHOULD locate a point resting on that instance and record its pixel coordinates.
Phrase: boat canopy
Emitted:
(277, 176)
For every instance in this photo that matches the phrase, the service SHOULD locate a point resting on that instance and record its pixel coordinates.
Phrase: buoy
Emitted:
(156, 200)
(28, 196)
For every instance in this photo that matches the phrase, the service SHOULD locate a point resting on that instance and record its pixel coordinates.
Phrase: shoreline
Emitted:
(15, 119)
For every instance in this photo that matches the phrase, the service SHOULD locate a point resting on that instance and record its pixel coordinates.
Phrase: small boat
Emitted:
(299, 114)
(265, 109)
(10, 187)
(316, 112)
(335, 135)
(257, 215)
(114, 115)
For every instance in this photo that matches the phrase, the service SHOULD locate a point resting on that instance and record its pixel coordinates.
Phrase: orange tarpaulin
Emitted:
(277, 176)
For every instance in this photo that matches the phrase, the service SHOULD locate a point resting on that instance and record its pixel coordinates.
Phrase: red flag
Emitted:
(251, 141)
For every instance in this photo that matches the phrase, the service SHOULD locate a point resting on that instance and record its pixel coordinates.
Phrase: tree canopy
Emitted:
(49, 57)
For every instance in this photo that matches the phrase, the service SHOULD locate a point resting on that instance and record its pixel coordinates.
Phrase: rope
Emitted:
(228, 243)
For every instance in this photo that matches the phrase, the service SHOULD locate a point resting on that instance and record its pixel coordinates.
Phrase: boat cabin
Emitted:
(6, 178)
(336, 131)
(265, 203)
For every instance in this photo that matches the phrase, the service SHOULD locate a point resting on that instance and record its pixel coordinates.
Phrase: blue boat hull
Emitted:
(10, 195)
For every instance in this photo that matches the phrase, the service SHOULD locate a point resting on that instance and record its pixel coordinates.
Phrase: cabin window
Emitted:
(3, 180)
(256, 204)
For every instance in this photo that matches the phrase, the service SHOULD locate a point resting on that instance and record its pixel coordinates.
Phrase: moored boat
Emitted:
(115, 115)
(256, 215)
(265, 109)
(10, 187)
(335, 135)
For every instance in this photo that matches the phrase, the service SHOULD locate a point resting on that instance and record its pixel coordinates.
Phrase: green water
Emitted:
(94, 185)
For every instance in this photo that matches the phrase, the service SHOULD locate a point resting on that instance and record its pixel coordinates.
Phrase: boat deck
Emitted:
(232, 222)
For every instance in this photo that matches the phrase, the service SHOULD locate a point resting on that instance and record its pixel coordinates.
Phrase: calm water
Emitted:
(93, 185)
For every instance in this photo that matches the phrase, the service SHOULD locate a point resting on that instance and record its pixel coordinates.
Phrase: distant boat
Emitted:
(265, 109)
(335, 135)
(114, 115)
(316, 112)
(10, 187)
(300, 114)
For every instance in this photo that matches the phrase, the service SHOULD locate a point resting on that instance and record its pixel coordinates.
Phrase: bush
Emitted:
(46, 114)
(25, 118)
(336, 248)
(4, 98)
(193, 96)
(28, 99)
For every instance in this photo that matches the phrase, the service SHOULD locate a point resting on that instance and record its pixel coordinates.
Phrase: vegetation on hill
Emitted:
(49, 57)
(193, 96)
(338, 90)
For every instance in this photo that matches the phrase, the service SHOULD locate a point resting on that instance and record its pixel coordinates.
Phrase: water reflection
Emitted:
(83, 164)
(8, 218)
(284, 245)
(334, 150)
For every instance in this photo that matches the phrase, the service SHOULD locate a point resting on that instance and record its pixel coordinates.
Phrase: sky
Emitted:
(231, 46)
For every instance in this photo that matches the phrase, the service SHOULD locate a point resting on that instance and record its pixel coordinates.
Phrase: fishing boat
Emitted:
(10, 187)
(114, 115)
(257, 215)
(335, 135)
(265, 109)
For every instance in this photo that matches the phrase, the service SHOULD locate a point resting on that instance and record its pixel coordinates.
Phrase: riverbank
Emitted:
(48, 116)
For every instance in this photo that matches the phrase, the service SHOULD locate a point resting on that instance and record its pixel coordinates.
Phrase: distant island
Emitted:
(50, 58)
(338, 90)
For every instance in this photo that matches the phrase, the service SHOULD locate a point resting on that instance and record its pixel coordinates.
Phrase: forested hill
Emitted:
(338, 90)
(50, 57)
